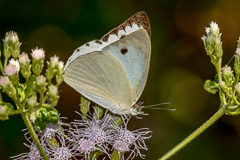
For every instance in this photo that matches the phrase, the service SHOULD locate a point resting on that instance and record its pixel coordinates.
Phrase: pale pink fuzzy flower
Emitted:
(38, 54)
(15, 63)
(10, 70)
(34, 154)
(238, 51)
(23, 58)
(129, 141)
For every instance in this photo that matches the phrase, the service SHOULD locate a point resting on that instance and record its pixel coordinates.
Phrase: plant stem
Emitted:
(196, 133)
(1, 68)
(33, 135)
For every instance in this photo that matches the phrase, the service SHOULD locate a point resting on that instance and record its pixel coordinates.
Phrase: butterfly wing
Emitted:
(135, 22)
(133, 52)
(101, 78)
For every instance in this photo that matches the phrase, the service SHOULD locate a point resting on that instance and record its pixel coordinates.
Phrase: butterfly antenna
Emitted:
(155, 106)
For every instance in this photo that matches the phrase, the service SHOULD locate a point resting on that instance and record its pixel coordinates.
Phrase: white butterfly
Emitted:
(112, 71)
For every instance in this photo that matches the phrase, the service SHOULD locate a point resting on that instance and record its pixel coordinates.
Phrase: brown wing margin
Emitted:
(140, 18)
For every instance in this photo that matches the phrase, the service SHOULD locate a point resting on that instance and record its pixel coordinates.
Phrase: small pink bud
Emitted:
(23, 58)
(4, 81)
(10, 70)
(38, 54)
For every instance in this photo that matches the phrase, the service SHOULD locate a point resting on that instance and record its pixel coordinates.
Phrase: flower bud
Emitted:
(12, 70)
(51, 68)
(212, 42)
(8, 87)
(237, 61)
(53, 95)
(41, 83)
(32, 101)
(25, 65)
(11, 45)
(59, 76)
(38, 56)
(223, 86)
(237, 88)
(227, 75)
(3, 113)
(214, 28)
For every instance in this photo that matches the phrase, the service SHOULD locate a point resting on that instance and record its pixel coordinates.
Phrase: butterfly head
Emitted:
(136, 109)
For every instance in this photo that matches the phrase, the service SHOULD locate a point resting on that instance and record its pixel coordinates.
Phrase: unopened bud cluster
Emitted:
(25, 83)
(227, 78)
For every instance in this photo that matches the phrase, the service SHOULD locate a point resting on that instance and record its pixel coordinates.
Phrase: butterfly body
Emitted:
(112, 71)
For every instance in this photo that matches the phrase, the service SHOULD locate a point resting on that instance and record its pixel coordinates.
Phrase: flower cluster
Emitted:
(227, 79)
(89, 138)
(23, 81)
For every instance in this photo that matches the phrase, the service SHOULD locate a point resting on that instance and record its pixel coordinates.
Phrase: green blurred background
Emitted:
(179, 66)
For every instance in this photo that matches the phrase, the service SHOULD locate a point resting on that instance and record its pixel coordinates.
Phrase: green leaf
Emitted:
(211, 86)
(115, 155)
(98, 111)
(96, 154)
(232, 110)
(84, 106)
(45, 116)
(21, 91)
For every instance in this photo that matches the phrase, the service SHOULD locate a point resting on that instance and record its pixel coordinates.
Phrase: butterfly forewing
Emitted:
(133, 52)
(101, 78)
(135, 22)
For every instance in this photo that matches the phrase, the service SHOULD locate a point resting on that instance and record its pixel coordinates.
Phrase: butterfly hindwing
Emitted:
(101, 78)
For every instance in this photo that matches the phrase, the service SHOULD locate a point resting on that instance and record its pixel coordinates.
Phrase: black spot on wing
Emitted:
(87, 44)
(78, 50)
(124, 51)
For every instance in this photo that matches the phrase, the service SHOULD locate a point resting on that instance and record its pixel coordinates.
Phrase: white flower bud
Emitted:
(38, 54)
(52, 90)
(237, 88)
(41, 80)
(60, 65)
(15, 63)
(11, 36)
(227, 71)
(214, 27)
(54, 61)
